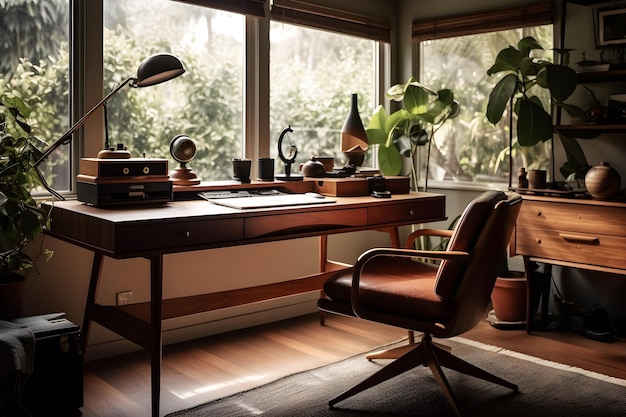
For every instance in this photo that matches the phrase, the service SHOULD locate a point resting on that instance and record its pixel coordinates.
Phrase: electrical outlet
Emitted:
(124, 297)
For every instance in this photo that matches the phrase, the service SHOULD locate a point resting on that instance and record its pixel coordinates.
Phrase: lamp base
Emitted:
(184, 176)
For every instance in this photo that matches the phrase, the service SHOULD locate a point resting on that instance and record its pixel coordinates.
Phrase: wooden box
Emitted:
(358, 186)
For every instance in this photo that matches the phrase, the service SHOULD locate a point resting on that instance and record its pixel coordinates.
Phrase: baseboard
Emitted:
(202, 325)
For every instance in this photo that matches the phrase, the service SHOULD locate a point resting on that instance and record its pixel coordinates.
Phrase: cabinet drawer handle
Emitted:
(579, 238)
(412, 212)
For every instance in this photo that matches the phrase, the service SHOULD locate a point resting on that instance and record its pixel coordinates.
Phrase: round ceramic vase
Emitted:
(603, 181)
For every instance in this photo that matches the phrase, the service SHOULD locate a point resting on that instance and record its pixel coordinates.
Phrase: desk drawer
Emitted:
(303, 222)
(586, 248)
(412, 212)
(179, 234)
(577, 218)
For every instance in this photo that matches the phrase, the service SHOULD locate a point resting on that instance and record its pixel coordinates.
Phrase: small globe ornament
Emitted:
(183, 149)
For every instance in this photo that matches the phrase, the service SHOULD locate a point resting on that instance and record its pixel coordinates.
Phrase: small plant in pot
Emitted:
(400, 133)
(22, 218)
(522, 76)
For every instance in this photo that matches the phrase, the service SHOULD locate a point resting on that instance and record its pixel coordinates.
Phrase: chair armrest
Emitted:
(367, 256)
(427, 232)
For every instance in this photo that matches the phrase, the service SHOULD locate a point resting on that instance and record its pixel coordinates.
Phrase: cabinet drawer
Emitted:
(416, 212)
(587, 248)
(303, 222)
(579, 218)
(177, 234)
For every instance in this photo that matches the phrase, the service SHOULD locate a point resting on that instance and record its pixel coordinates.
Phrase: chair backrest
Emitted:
(484, 230)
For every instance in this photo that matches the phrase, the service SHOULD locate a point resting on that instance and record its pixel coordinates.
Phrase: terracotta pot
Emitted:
(509, 297)
(603, 181)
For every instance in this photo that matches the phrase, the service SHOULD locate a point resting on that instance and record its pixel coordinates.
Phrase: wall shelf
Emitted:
(589, 131)
(602, 76)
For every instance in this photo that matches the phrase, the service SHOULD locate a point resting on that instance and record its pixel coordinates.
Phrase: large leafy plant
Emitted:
(400, 133)
(523, 76)
(22, 218)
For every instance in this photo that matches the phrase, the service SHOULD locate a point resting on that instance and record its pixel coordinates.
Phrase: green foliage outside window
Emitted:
(470, 148)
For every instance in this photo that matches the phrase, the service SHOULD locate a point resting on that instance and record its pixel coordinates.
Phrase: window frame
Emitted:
(87, 73)
(537, 14)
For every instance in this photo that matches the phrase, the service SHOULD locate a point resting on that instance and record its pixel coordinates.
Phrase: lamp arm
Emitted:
(67, 135)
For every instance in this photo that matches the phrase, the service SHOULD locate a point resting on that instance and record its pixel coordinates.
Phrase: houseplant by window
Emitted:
(22, 218)
(522, 73)
(400, 133)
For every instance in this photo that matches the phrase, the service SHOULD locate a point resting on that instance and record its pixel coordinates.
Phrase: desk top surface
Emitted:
(202, 208)
(180, 226)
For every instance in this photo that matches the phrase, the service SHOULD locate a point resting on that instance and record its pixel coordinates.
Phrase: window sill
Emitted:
(465, 186)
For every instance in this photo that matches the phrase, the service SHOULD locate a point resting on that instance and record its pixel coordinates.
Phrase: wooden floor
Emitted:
(205, 369)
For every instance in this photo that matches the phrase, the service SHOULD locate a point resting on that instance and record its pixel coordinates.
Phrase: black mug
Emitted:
(266, 169)
(241, 169)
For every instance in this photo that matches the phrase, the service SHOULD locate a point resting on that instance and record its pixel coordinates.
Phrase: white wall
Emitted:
(63, 283)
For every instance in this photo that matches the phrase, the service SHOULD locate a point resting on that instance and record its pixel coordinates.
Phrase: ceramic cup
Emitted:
(537, 179)
(241, 169)
(266, 169)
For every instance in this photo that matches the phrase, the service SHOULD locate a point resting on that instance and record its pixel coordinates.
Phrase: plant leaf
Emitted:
(576, 165)
(561, 81)
(508, 59)
(376, 133)
(534, 124)
(575, 111)
(30, 224)
(527, 44)
(416, 99)
(389, 160)
(500, 96)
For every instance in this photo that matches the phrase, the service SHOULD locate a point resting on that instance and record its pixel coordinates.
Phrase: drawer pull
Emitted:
(187, 234)
(412, 212)
(579, 238)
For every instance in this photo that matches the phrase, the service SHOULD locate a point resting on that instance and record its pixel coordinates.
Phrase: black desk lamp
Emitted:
(153, 70)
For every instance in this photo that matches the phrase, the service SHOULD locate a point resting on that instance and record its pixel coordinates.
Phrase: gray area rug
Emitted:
(545, 389)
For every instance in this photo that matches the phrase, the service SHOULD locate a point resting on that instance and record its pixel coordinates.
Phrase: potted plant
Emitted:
(400, 133)
(523, 74)
(22, 218)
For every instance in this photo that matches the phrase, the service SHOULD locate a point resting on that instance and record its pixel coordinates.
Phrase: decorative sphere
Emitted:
(603, 181)
(182, 148)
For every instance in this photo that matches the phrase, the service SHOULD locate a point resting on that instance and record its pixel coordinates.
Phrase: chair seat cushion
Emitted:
(393, 285)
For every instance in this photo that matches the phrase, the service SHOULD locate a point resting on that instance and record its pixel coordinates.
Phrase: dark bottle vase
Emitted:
(353, 137)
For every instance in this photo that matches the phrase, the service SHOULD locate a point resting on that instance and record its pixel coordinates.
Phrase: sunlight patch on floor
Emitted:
(217, 386)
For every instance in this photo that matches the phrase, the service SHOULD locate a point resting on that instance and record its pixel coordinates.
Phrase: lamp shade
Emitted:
(158, 68)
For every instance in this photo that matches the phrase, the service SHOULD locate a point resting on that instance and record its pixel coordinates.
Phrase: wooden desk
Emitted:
(579, 233)
(181, 226)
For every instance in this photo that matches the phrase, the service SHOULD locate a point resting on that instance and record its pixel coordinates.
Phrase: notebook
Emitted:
(265, 201)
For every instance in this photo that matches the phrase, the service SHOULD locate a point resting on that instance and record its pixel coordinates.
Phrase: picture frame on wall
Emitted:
(610, 24)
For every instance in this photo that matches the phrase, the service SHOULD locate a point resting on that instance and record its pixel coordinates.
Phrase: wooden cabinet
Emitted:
(579, 233)
(587, 234)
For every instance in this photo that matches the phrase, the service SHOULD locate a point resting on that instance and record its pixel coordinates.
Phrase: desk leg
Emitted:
(323, 256)
(530, 293)
(156, 345)
(96, 270)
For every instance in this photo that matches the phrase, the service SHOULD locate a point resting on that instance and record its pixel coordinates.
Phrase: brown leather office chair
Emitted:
(390, 286)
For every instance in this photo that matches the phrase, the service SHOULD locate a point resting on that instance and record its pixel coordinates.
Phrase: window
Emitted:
(319, 57)
(469, 147)
(34, 61)
(208, 102)
(205, 103)
(313, 74)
